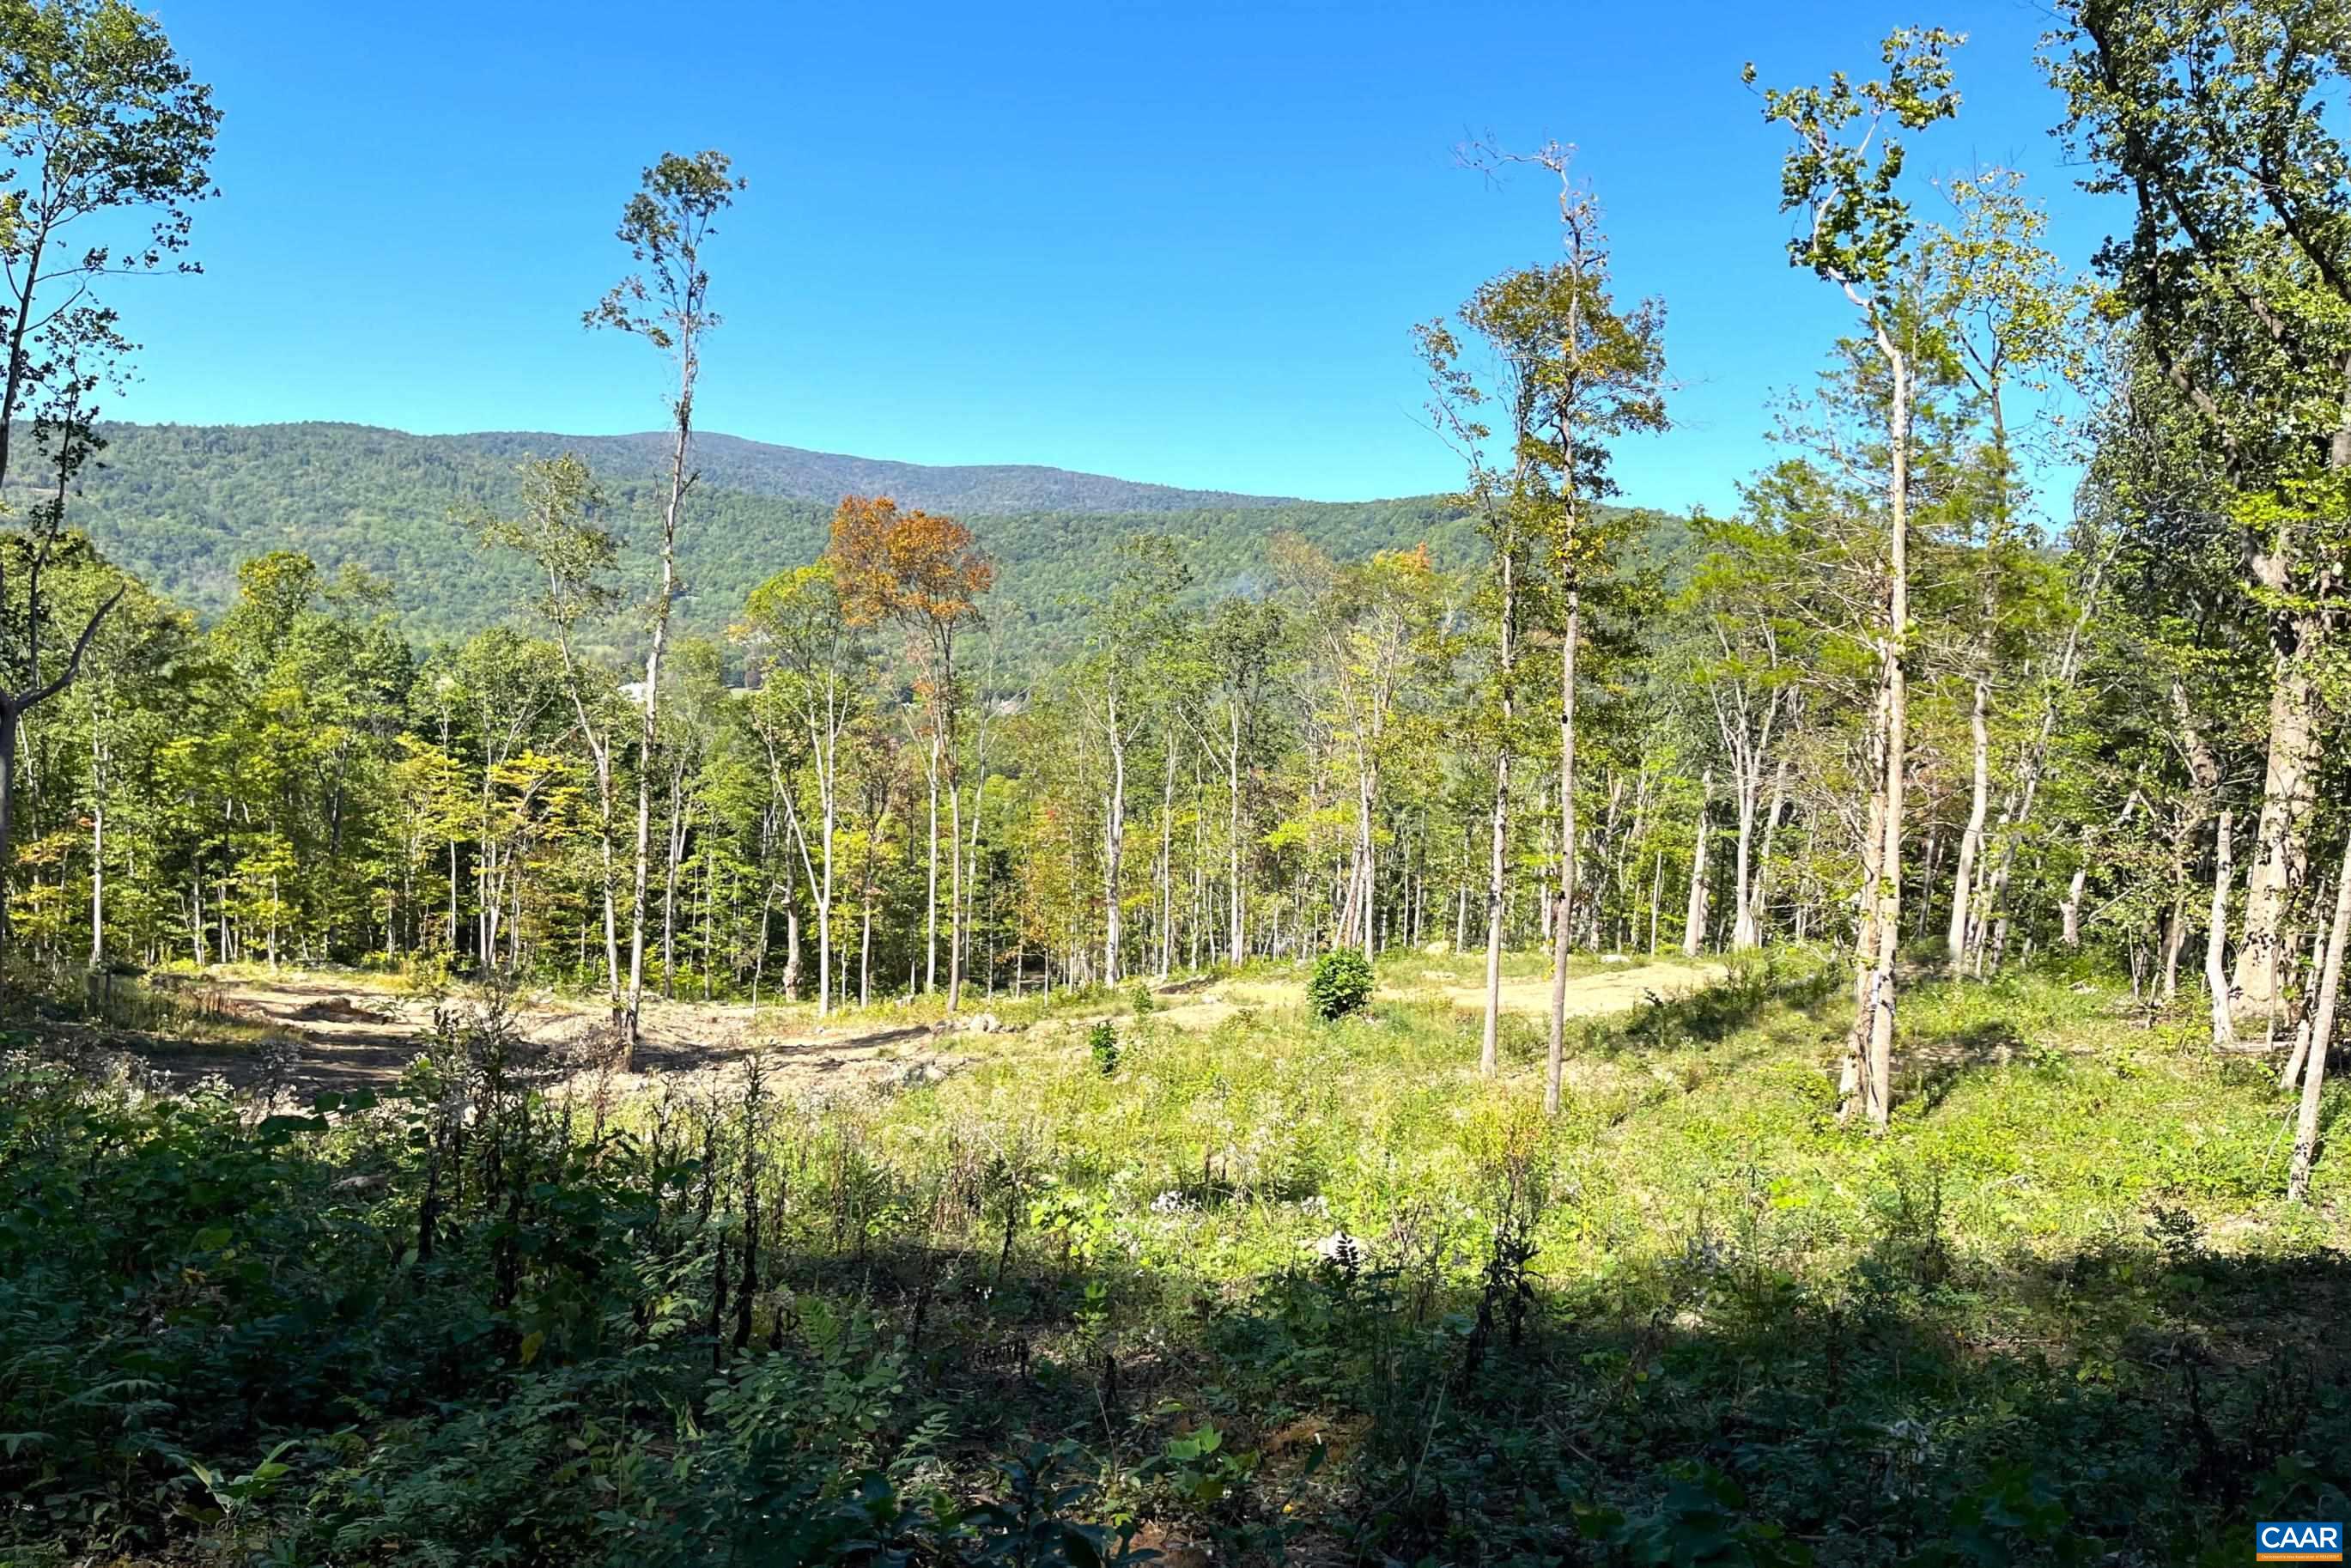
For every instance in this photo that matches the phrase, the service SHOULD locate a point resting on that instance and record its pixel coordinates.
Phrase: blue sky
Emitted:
(1180, 242)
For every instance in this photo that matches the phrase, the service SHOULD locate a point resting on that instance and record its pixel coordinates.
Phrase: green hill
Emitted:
(183, 504)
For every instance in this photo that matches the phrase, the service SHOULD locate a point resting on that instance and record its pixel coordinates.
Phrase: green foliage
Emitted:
(1341, 983)
(1329, 1285)
(1102, 1041)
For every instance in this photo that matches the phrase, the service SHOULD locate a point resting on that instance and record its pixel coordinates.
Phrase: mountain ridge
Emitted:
(797, 473)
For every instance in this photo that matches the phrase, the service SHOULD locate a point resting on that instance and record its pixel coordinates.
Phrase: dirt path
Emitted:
(343, 1035)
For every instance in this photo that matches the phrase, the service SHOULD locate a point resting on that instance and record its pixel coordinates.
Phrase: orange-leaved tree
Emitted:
(923, 572)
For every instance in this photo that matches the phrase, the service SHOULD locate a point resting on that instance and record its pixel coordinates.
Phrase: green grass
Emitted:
(1288, 1290)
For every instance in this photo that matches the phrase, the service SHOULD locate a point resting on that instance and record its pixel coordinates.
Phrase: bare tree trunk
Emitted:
(1759, 901)
(2070, 909)
(1366, 869)
(2321, 1034)
(2279, 849)
(98, 852)
(931, 874)
(1694, 914)
(1489, 1036)
(1877, 955)
(823, 891)
(676, 854)
(1657, 897)
(1564, 903)
(1963, 874)
(955, 894)
(2216, 942)
(1167, 865)
(1490, 1033)
(1237, 934)
(1114, 852)
(1743, 930)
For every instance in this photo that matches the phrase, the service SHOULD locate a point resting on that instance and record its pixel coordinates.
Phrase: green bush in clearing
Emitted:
(1340, 984)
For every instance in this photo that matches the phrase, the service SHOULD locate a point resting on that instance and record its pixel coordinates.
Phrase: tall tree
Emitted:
(2013, 319)
(1598, 372)
(1242, 646)
(812, 682)
(666, 226)
(560, 532)
(2220, 121)
(100, 122)
(1854, 231)
(924, 573)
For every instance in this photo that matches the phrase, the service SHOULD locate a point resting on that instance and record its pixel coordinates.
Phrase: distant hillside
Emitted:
(759, 468)
(183, 505)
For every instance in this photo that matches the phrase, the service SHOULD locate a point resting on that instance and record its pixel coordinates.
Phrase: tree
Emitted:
(1242, 647)
(1120, 683)
(1597, 373)
(100, 121)
(558, 533)
(2010, 315)
(1500, 498)
(924, 573)
(666, 226)
(797, 623)
(2219, 119)
(1855, 233)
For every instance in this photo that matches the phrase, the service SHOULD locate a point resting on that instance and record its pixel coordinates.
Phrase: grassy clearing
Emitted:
(1274, 1290)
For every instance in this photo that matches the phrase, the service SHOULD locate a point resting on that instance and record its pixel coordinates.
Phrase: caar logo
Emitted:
(2297, 1541)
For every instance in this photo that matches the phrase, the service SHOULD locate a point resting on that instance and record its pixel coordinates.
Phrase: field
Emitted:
(1258, 1290)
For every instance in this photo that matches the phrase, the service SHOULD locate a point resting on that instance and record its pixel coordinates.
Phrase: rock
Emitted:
(1614, 958)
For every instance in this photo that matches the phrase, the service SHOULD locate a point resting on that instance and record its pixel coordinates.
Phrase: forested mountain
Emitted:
(763, 468)
(181, 506)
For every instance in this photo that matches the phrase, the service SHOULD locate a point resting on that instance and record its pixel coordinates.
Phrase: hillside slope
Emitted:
(183, 504)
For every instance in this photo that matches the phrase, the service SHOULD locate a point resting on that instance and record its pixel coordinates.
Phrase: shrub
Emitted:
(1340, 984)
(1102, 1040)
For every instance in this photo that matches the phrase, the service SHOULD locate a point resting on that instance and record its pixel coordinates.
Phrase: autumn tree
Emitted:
(924, 573)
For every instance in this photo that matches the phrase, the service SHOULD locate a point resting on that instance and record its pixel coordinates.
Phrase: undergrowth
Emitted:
(1280, 1291)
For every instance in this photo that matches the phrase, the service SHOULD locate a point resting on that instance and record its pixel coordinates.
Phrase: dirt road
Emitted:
(340, 1034)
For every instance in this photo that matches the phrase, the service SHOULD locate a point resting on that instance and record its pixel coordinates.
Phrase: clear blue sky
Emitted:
(1180, 241)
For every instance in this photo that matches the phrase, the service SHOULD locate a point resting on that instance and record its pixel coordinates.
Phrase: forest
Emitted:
(551, 1012)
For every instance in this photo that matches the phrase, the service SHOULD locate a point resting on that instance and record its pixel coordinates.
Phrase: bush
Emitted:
(1340, 984)
(1102, 1040)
